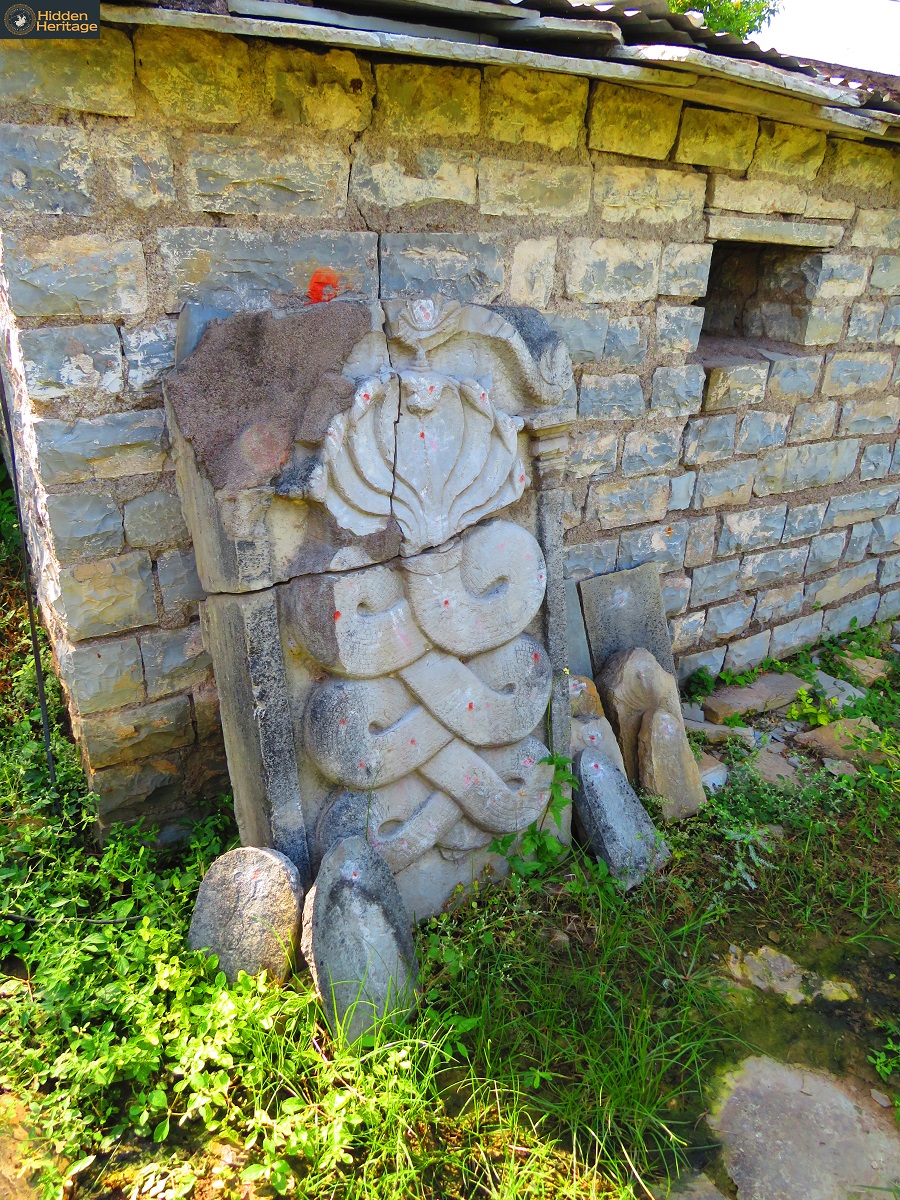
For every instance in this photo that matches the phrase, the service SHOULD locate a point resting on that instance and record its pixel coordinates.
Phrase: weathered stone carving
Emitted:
(248, 913)
(377, 626)
(645, 708)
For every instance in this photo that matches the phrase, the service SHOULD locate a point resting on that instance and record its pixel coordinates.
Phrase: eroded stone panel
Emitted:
(363, 526)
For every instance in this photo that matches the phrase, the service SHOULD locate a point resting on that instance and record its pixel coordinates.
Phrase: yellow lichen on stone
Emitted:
(647, 195)
(716, 139)
(534, 106)
(416, 100)
(860, 167)
(193, 74)
(95, 76)
(789, 151)
(330, 91)
(624, 120)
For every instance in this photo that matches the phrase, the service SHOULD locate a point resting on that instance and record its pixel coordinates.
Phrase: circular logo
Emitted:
(20, 19)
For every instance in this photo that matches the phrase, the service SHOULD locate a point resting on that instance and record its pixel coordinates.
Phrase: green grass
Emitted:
(562, 1041)
(561, 1027)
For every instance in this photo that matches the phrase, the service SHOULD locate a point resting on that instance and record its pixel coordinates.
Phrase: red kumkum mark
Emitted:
(422, 435)
(521, 479)
(343, 721)
(337, 614)
(412, 741)
(446, 604)
(362, 766)
(323, 285)
(471, 706)
(537, 657)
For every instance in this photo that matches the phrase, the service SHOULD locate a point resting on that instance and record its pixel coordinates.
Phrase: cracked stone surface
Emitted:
(377, 596)
(766, 693)
(788, 1132)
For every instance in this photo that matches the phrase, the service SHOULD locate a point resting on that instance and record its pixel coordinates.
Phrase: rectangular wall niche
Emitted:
(783, 295)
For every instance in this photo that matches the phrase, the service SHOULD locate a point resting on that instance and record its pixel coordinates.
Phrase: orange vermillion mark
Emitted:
(323, 285)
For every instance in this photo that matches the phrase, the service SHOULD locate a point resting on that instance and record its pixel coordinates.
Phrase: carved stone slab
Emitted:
(612, 821)
(248, 913)
(623, 611)
(357, 484)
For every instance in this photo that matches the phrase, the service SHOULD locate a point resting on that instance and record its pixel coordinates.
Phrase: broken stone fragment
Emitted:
(584, 697)
(868, 668)
(841, 740)
(838, 690)
(773, 768)
(613, 823)
(718, 734)
(248, 913)
(630, 684)
(789, 1132)
(597, 736)
(713, 773)
(835, 767)
(771, 971)
(357, 940)
(667, 766)
(623, 610)
(766, 693)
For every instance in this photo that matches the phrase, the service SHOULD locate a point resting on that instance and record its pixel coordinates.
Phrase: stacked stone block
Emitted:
(761, 473)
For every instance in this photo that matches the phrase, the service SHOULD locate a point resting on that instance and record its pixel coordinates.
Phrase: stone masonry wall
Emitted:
(759, 470)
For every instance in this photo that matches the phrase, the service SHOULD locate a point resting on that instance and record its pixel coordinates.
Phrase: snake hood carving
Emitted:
(429, 448)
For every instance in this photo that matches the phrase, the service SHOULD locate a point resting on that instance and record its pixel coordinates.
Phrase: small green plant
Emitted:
(538, 850)
(700, 685)
(741, 678)
(815, 710)
(10, 545)
(887, 1060)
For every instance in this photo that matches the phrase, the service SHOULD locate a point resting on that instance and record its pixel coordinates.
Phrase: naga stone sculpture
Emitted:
(387, 630)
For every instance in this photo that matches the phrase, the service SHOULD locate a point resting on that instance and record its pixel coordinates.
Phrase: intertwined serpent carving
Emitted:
(425, 724)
